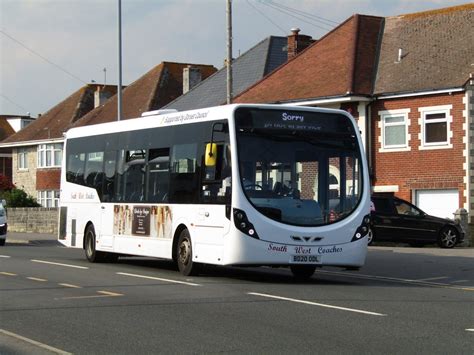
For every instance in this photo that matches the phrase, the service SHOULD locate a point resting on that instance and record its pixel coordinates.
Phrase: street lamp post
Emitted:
(119, 85)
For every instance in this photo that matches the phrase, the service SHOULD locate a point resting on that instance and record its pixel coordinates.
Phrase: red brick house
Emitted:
(423, 109)
(406, 80)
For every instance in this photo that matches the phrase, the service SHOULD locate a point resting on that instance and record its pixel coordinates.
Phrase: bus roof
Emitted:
(175, 118)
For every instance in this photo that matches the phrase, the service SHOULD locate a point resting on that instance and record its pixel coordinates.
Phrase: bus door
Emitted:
(213, 215)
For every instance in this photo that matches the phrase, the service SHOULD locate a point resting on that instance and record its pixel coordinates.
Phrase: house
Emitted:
(423, 110)
(247, 69)
(37, 149)
(152, 91)
(9, 124)
(407, 81)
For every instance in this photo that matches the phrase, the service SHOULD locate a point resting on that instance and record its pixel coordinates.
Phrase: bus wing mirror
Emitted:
(211, 155)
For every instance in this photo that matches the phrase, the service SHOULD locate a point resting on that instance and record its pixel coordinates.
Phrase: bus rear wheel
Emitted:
(93, 255)
(184, 255)
(302, 272)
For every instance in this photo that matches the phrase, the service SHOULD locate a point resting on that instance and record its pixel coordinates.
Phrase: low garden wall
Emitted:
(32, 220)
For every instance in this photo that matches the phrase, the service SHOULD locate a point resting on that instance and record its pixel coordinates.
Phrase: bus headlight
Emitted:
(242, 224)
(363, 229)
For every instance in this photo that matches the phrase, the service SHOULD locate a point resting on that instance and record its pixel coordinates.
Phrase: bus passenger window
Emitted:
(130, 176)
(184, 176)
(158, 175)
(109, 176)
(94, 171)
(75, 168)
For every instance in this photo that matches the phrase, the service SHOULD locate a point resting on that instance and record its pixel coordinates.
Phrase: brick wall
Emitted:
(421, 169)
(32, 220)
(48, 179)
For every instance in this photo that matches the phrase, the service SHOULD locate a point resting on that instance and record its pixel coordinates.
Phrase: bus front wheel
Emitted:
(184, 255)
(93, 255)
(302, 272)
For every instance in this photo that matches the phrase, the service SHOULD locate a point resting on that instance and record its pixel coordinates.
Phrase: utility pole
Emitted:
(119, 85)
(229, 51)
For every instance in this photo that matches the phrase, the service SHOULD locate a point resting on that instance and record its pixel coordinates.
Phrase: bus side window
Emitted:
(94, 173)
(109, 176)
(158, 175)
(184, 175)
(75, 168)
(130, 176)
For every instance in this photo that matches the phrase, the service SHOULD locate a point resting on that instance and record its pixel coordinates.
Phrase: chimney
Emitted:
(297, 42)
(100, 96)
(191, 77)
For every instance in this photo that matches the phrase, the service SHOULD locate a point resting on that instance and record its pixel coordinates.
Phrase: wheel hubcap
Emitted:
(184, 252)
(449, 238)
(89, 244)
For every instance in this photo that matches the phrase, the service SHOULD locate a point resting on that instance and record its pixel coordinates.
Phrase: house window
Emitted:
(22, 159)
(394, 130)
(49, 155)
(49, 198)
(435, 125)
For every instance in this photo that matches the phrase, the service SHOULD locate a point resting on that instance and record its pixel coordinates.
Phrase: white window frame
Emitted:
(52, 149)
(424, 111)
(48, 198)
(383, 125)
(22, 158)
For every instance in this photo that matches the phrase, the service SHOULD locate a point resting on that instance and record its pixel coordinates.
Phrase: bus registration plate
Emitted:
(305, 259)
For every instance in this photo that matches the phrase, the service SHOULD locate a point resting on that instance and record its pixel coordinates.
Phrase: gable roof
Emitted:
(339, 64)
(152, 91)
(6, 129)
(58, 119)
(437, 50)
(247, 69)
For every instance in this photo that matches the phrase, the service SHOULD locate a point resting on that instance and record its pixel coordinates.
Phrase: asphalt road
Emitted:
(405, 300)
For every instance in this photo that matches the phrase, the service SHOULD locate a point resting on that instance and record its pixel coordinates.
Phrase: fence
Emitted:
(33, 220)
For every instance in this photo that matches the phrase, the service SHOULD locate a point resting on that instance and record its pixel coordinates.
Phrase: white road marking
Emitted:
(7, 273)
(60, 264)
(159, 279)
(433, 278)
(36, 279)
(101, 295)
(108, 293)
(315, 304)
(69, 285)
(459, 281)
(398, 280)
(470, 330)
(4, 256)
(34, 342)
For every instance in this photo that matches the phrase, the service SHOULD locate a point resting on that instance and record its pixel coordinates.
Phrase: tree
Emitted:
(18, 198)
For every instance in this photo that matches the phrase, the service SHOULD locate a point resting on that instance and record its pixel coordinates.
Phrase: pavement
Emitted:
(460, 251)
(31, 238)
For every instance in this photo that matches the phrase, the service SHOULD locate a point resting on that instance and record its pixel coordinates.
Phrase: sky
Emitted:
(51, 48)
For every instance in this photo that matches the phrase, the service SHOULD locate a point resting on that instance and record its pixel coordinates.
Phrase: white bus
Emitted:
(274, 185)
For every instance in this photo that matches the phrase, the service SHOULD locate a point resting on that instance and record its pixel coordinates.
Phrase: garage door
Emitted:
(440, 203)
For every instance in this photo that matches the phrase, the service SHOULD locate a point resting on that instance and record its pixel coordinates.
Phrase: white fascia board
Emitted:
(421, 93)
(30, 143)
(334, 100)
